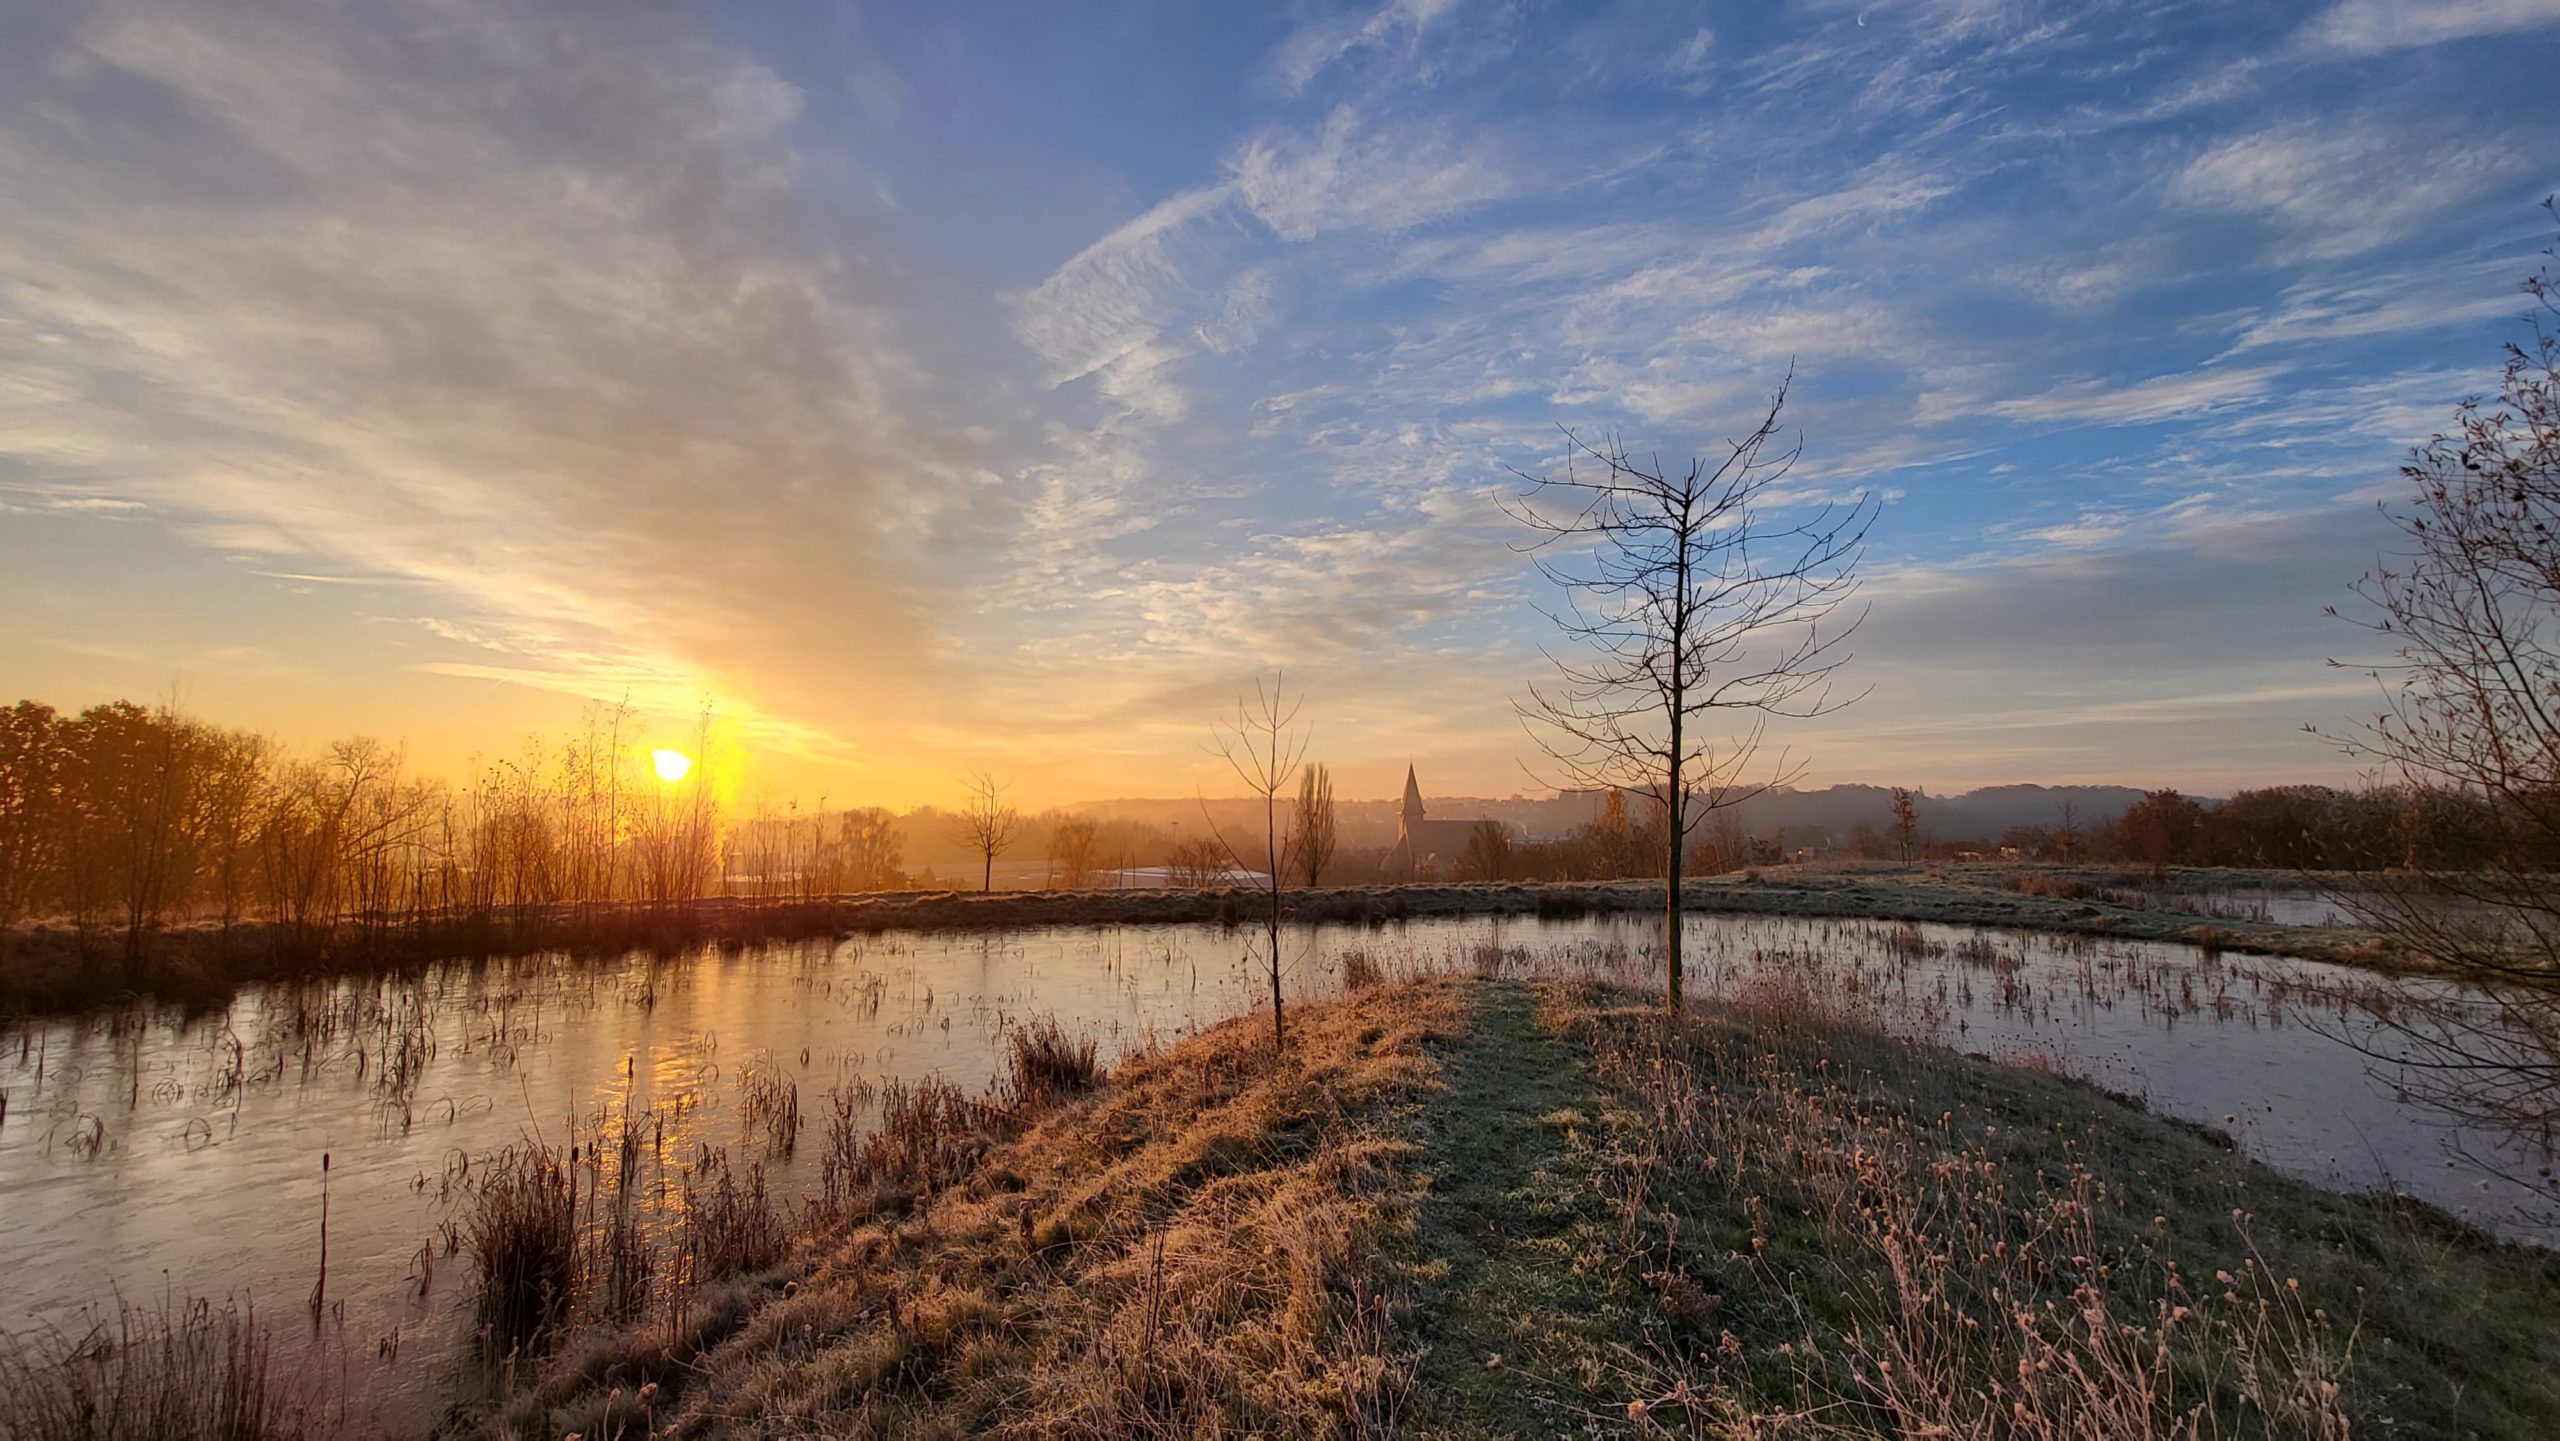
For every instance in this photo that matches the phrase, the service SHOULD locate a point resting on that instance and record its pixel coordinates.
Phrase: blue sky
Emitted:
(956, 386)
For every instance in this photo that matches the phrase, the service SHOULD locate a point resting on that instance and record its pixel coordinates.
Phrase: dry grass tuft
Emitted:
(730, 1225)
(929, 1134)
(524, 1240)
(177, 1373)
(1048, 1064)
(2054, 887)
(1361, 972)
(769, 1104)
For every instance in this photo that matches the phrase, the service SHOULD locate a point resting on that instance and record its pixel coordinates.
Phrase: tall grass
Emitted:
(1043, 1061)
(1941, 1285)
(177, 1372)
(731, 1226)
(928, 1134)
(523, 1235)
(770, 1104)
(1361, 971)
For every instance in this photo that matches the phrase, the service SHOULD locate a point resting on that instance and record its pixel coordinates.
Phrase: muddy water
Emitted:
(152, 1156)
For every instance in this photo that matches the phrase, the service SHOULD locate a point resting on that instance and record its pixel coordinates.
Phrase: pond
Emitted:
(153, 1156)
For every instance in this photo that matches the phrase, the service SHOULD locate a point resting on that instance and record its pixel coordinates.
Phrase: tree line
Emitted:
(123, 818)
(2294, 827)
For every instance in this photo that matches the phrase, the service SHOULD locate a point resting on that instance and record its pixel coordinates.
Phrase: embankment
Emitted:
(54, 968)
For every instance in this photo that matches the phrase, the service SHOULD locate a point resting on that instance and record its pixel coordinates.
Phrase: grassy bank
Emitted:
(53, 969)
(1496, 1206)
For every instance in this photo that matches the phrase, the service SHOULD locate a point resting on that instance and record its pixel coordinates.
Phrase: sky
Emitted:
(936, 388)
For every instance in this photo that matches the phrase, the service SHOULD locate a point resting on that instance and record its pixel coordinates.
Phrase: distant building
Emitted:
(1425, 846)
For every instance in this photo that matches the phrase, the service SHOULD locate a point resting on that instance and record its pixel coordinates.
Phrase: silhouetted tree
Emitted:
(2160, 829)
(1075, 849)
(987, 826)
(1687, 600)
(1487, 856)
(868, 841)
(1312, 831)
(1906, 821)
(31, 765)
(1617, 847)
(1728, 840)
(1198, 863)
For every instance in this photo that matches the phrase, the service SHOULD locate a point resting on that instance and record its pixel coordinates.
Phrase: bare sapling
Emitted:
(1698, 603)
(1264, 746)
(987, 825)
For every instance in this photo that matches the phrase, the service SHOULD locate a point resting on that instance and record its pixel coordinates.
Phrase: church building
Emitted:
(1425, 847)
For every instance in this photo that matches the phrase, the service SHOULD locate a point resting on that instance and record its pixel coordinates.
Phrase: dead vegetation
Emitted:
(1046, 1063)
(1192, 1250)
(186, 1371)
(1837, 1232)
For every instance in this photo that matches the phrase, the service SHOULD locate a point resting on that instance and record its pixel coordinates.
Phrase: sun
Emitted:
(671, 766)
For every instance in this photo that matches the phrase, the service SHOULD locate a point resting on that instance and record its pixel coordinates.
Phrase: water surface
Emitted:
(150, 1156)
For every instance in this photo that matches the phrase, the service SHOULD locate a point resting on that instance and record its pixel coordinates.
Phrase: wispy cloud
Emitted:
(1352, 175)
(1316, 46)
(2375, 27)
(2338, 191)
(2091, 401)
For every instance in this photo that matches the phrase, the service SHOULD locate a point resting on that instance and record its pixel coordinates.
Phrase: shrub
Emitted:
(1360, 971)
(2060, 888)
(1045, 1061)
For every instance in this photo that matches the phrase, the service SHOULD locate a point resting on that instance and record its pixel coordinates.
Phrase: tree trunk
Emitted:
(1271, 845)
(987, 877)
(1677, 813)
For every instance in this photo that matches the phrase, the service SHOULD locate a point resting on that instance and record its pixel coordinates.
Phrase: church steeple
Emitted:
(1412, 797)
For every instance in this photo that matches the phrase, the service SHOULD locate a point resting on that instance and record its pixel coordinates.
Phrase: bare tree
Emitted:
(872, 852)
(1906, 819)
(1197, 864)
(1075, 851)
(1687, 598)
(674, 832)
(1264, 745)
(1488, 853)
(987, 825)
(2471, 708)
(1312, 831)
(1728, 839)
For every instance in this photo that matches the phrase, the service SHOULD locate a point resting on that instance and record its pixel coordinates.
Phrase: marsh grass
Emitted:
(927, 1134)
(181, 1371)
(1044, 1062)
(524, 1239)
(52, 969)
(769, 1105)
(730, 1225)
(1191, 1248)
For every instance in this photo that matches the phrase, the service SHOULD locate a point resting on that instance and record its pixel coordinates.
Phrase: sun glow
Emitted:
(671, 766)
